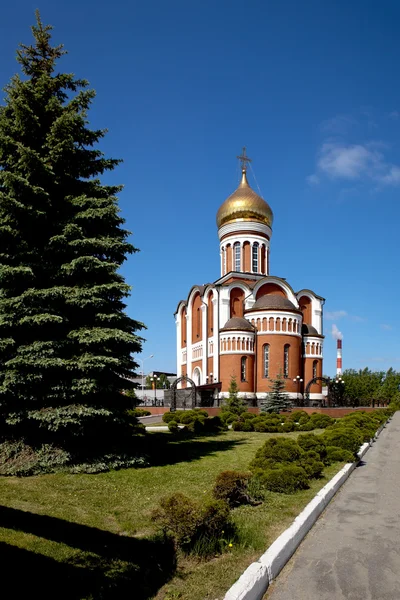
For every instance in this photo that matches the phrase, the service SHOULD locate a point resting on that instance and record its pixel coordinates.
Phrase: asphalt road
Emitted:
(150, 420)
(353, 551)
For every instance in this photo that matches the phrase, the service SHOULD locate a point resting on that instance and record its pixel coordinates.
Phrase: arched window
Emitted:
(314, 368)
(286, 361)
(266, 360)
(255, 257)
(236, 247)
(243, 369)
(223, 261)
(198, 321)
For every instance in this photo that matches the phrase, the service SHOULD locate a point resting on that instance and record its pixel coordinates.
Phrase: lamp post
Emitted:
(141, 360)
(298, 380)
(154, 380)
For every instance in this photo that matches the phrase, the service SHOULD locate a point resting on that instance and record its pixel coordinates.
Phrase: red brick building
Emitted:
(249, 324)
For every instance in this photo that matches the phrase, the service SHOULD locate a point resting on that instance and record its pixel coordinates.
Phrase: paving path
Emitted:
(353, 551)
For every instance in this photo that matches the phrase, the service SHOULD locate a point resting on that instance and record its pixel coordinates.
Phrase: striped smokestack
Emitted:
(339, 358)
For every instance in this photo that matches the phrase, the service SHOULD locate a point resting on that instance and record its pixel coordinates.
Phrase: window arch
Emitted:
(255, 257)
(236, 248)
(243, 368)
(286, 360)
(314, 368)
(266, 360)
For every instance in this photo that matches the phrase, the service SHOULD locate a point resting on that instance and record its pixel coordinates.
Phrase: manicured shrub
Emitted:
(228, 417)
(195, 529)
(248, 416)
(213, 424)
(305, 426)
(140, 412)
(260, 425)
(348, 438)
(196, 426)
(299, 414)
(279, 450)
(172, 416)
(311, 463)
(335, 454)
(242, 425)
(320, 421)
(288, 427)
(285, 480)
(232, 486)
(173, 426)
(179, 517)
(309, 441)
(190, 416)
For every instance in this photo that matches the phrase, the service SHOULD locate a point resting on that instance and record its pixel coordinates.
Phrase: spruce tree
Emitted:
(66, 342)
(276, 400)
(233, 403)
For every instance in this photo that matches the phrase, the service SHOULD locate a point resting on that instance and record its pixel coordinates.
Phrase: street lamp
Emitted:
(154, 380)
(298, 380)
(141, 360)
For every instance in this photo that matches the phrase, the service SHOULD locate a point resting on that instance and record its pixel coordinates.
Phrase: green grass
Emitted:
(88, 563)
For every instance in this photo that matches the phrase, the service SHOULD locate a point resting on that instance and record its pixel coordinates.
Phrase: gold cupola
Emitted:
(244, 205)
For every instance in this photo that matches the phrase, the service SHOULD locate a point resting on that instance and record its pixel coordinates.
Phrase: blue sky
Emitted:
(311, 88)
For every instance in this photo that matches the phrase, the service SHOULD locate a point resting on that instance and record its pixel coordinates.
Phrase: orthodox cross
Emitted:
(244, 159)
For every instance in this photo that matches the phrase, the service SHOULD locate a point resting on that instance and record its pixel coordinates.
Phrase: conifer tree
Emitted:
(276, 400)
(233, 403)
(66, 342)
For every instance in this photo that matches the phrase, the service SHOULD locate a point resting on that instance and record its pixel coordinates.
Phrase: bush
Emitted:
(194, 528)
(172, 416)
(320, 421)
(242, 425)
(312, 464)
(247, 416)
(232, 486)
(278, 450)
(173, 426)
(309, 441)
(179, 517)
(285, 480)
(335, 454)
(348, 438)
(305, 426)
(299, 414)
(288, 427)
(214, 424)
(189, 416)
(228, 417)
(140, 412)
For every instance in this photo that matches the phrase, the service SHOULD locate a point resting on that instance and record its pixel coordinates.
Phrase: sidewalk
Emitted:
(353, 551)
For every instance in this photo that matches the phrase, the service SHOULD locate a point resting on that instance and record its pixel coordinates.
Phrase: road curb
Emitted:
(255, 580)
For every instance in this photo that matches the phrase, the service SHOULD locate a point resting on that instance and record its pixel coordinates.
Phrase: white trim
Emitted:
(230, 228)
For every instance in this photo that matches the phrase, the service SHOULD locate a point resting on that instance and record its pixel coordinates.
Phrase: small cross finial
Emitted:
(244, 159)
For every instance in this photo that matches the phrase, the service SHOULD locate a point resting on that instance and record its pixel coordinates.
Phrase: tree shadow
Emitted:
(107, 566)
(161, 450)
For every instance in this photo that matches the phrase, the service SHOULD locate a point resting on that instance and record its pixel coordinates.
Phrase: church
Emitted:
(249, 324)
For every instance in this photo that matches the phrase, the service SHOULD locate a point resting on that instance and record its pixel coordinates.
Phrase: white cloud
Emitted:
(394, 115)
(386, 327)
(313, 179)
(335, 315)
(347, 162)
(355, 162)
(338, 125)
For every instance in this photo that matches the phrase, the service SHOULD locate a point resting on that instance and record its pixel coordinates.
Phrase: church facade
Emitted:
(249, 324)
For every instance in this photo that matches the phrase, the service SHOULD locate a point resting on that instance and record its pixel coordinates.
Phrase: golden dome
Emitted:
(244, 205)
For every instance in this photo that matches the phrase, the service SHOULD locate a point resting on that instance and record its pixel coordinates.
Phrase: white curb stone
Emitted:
(254, 582)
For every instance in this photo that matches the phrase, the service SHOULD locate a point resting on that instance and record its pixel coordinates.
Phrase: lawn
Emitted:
(91, 536)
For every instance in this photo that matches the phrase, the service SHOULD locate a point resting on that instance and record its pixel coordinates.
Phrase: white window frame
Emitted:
(254, 257)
